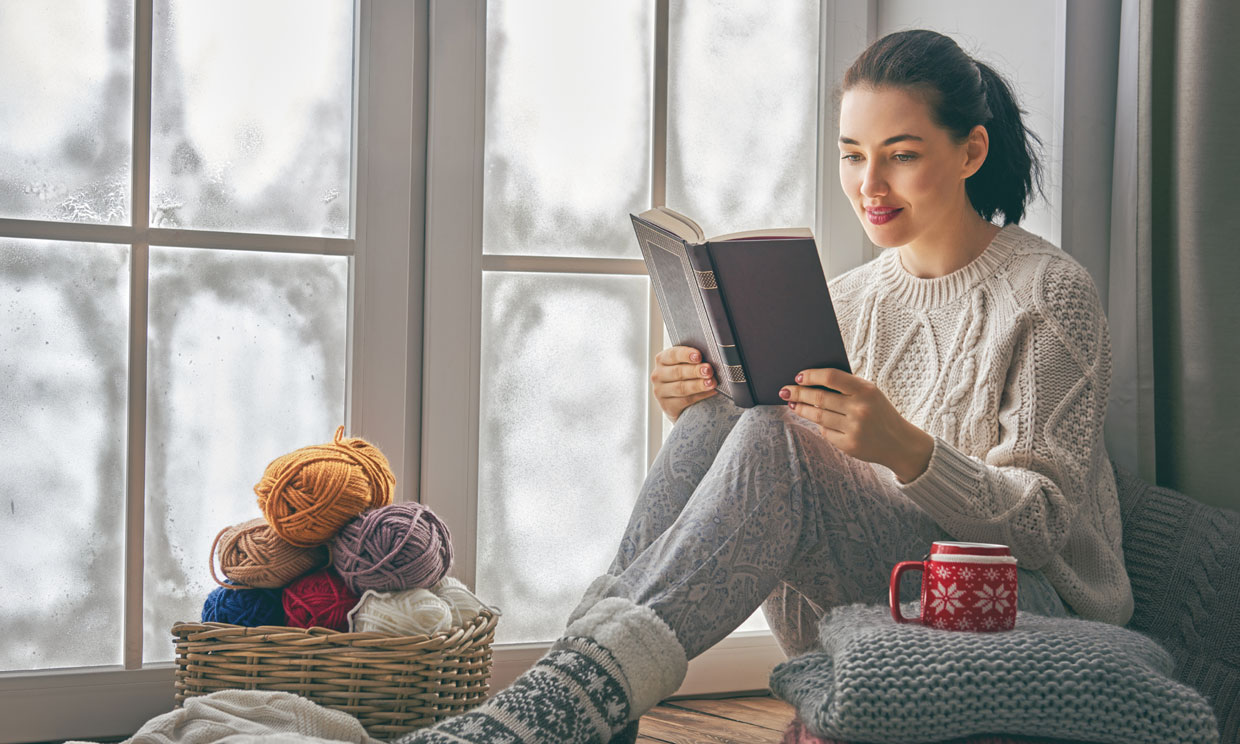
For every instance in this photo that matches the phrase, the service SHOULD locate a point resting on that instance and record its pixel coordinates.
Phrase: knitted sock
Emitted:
(612, 665)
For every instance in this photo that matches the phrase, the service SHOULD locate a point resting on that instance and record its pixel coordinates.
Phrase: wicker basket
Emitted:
(392, 684)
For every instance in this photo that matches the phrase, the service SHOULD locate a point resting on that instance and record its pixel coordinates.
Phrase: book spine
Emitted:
(732, 377)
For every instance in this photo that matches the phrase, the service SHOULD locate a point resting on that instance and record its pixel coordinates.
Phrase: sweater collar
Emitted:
(931, 293)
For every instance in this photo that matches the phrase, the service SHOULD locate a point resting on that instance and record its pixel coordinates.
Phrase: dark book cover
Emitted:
(757, 308)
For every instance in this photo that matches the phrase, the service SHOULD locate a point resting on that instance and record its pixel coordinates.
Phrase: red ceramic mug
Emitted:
(964, 586)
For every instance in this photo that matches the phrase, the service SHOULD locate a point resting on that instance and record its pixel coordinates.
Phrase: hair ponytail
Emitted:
(1011, 171)
(961, 93)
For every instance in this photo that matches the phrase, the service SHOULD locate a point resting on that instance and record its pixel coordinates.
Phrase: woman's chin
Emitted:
(883, 237)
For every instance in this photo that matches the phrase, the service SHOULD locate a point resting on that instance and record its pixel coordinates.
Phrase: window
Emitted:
(547, 323)
(191, 284)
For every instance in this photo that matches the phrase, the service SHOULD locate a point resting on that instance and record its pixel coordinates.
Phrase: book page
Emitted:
(779, 232)
(675, 223)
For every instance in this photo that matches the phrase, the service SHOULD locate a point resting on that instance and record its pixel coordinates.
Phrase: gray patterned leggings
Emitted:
(749, 508)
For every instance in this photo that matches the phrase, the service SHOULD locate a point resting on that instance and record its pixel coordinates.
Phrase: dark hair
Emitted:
(961, 93)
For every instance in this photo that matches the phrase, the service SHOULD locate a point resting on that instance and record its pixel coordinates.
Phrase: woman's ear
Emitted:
(975, 149)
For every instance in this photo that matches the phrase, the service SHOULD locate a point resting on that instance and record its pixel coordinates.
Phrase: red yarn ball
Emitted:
(319, 599)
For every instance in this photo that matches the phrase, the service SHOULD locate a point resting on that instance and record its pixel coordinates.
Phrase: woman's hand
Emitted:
(680, 379)
(860, 421)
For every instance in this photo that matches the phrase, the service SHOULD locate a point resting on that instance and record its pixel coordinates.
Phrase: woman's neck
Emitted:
(949, 249)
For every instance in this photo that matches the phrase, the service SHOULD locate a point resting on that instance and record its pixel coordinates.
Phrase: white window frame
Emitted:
(383, 388)
(455, 263)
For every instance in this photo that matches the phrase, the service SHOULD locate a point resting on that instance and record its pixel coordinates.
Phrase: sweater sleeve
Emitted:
(1025, 491)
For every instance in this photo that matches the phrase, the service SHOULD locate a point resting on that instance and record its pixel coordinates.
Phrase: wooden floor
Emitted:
(747, 720)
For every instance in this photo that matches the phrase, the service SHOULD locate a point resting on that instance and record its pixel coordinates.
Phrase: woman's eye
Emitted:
(905, 157)
(851, 157)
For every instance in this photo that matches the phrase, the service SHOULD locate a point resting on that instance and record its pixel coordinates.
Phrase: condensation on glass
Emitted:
(743, 98)
(568, 126)
(245, 362)
(65, 115)
(251, 116)
(63, 322)
(561, 438)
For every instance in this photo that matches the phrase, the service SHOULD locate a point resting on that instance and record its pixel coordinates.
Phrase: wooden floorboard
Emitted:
(745, 720)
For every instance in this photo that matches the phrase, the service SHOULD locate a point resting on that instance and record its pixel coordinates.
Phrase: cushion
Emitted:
(876, 680)
(798, 734)
(1183, 559)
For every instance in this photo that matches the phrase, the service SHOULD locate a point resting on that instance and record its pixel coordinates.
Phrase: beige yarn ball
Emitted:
(411, 612)
(464, 604)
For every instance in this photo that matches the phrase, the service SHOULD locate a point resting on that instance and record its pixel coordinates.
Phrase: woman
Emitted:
(982, 366)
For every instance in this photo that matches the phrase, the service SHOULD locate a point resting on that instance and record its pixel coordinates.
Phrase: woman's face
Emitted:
(904, 174)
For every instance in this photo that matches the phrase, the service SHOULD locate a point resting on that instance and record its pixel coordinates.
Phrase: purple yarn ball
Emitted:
(248, 607)
(393, 548)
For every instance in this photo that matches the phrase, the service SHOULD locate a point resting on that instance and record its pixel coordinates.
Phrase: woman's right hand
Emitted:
(680, 379)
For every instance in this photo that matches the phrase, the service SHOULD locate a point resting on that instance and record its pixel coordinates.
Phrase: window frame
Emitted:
(384, 375)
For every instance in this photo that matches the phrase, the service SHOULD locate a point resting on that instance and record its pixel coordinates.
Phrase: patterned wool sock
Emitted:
(612, 665)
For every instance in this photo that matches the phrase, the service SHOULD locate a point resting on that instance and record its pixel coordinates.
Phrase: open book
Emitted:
(755, 303)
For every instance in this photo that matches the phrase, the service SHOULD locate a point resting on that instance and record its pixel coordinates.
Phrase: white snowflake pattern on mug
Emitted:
(946, 598)
(993, 598)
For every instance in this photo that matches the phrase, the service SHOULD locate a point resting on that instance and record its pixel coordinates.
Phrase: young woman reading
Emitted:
(982, 367)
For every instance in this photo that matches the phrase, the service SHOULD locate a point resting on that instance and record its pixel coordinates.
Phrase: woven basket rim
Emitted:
(479, 625)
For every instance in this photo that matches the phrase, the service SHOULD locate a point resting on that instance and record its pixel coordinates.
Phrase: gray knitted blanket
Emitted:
(878, 681)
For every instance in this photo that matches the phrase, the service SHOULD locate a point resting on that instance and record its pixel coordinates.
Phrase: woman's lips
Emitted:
(882, 215)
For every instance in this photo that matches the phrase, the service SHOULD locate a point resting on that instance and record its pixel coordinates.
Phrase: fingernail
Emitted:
(800, 377)
(705, 369)
(696, 357)
(783, 393)
(792, 405)
(708, 382)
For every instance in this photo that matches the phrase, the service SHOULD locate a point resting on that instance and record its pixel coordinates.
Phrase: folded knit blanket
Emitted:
(1067, 678)
(798, 734)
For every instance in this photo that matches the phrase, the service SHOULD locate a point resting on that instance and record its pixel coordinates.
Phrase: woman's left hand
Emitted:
(856, 417)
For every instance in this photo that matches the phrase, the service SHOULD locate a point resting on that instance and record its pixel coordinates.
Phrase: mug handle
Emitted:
(894, 589)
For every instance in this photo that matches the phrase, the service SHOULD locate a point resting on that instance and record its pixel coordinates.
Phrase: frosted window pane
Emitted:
(568, 126)
(742, 113)
(65, 116)
(63, 362)
(562, 439)
(252, 115)
(246, 361)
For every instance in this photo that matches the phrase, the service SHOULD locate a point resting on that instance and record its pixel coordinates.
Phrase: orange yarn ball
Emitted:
(310, 493)
(253, 555)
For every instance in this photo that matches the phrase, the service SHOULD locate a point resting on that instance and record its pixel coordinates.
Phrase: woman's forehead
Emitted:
(872, 116)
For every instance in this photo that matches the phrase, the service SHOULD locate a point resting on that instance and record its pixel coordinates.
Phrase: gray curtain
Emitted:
(1173, 276)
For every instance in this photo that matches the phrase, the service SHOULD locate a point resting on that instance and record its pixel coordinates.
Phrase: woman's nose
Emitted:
(873, 182)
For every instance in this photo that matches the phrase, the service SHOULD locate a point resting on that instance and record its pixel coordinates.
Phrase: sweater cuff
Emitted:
(948, 486)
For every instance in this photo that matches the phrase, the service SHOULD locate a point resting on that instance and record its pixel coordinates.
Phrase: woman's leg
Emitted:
(682, 462)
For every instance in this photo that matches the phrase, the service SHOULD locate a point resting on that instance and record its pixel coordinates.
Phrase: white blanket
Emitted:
(250, 717)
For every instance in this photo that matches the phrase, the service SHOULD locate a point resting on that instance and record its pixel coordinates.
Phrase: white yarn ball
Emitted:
(465, 606)
(411, 612)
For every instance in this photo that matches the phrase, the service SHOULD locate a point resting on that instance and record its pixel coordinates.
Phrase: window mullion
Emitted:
(658, 196)
(139, 265)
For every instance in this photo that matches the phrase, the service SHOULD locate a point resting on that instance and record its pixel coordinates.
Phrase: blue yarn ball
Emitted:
(248, 607)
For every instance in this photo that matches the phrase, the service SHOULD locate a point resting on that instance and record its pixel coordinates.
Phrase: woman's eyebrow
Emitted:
(886, 142)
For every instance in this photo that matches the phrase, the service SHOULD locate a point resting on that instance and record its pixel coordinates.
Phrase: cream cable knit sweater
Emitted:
(1007, 363)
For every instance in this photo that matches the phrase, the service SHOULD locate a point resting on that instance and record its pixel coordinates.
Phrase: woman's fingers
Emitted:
(674, 372)
(835, 379)
(678, 355)
(826, 419)
(828, 400)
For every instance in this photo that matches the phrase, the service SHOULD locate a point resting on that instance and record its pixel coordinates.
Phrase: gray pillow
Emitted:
(876, 680)
(1183, 558)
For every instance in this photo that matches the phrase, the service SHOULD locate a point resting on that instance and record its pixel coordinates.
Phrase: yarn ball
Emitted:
(411, 612)
(252, 554)
(309, 494)
(319, 599)
(248, 607)
(464, 604)
(393, 548)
